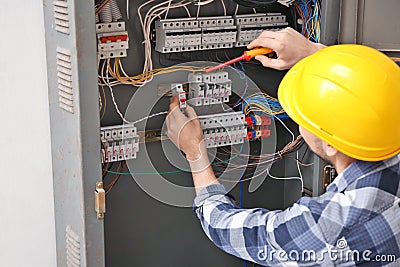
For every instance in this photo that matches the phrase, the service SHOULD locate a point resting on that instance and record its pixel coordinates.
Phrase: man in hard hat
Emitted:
(345, 100)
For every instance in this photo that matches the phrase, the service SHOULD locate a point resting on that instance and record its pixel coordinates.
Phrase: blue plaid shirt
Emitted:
(357, 221)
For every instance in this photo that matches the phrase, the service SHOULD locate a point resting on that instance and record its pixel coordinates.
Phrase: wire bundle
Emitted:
(156, 11)
(262, 103)
(309, 12)
(265, 159)
(110, 75)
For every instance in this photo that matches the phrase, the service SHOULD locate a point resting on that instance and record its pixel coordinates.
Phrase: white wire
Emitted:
(198, 9)
(116, 106)
(286, 178)
(284, 125)
(150, 116)
(106, 81)
(100, 102)
(204, 2)
(113, 99)
(169, 5)
(236, 9)
(297, 157)
(223, 6)
(127, 9)
(187, 11)
(286, 2)
(154, 11)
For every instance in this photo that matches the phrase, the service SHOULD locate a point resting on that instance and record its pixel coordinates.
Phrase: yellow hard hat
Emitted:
(348, 96)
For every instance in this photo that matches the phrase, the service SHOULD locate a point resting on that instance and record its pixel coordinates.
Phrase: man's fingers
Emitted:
(174, 110)
(291, 31)
(271, 62)
(192, 115)
(174, 102)
(263, 39)
(274, 44)
(168, 121)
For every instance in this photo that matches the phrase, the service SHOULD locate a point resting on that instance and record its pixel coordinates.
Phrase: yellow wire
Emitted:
(143, 77)
(105, 102)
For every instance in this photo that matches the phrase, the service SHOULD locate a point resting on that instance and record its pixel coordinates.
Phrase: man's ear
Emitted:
(330, 150)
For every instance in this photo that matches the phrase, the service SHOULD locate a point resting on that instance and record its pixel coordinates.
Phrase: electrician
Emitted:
(345, 100)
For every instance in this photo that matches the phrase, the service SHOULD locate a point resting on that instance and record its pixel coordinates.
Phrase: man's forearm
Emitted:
(203, 179)
(202, 173)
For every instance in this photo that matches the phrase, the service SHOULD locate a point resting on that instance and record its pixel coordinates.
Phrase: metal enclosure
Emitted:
(372, 23)
(73, 96)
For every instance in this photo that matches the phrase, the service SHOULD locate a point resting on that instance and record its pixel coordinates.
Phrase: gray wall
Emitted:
(27, 235)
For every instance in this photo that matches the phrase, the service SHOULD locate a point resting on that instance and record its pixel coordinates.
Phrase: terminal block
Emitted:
(258, 127)
(208, 89)
(118, 143)
(112, 40)
(223, 129)
(191, 34)
(250, 26)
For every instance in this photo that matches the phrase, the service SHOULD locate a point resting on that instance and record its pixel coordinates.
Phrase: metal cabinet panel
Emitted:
(372, 23)
(74, 115)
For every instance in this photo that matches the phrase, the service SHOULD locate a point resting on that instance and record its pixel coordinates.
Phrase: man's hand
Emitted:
(185, 131)
(289, 45)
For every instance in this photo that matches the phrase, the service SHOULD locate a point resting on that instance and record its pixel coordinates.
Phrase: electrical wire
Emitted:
(101, 6)
(153, 12)
(223, 7)
(288, 149)
(119, 76)
(150, 116)
(262, 103)
(104, 103)
(309, 12)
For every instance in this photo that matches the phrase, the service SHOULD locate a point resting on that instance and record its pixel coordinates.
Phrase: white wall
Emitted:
(27, 235)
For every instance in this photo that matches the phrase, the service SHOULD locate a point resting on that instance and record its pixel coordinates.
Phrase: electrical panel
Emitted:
(118, 143)
(204, 33)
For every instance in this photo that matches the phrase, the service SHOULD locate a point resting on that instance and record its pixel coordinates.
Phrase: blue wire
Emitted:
(263, 101)
(242, 75)
(314, 16)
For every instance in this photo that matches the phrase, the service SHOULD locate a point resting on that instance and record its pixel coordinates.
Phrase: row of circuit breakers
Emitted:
(191, 34)
(224, 129)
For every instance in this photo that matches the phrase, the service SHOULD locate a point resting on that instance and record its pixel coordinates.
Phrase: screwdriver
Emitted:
(247, 55)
